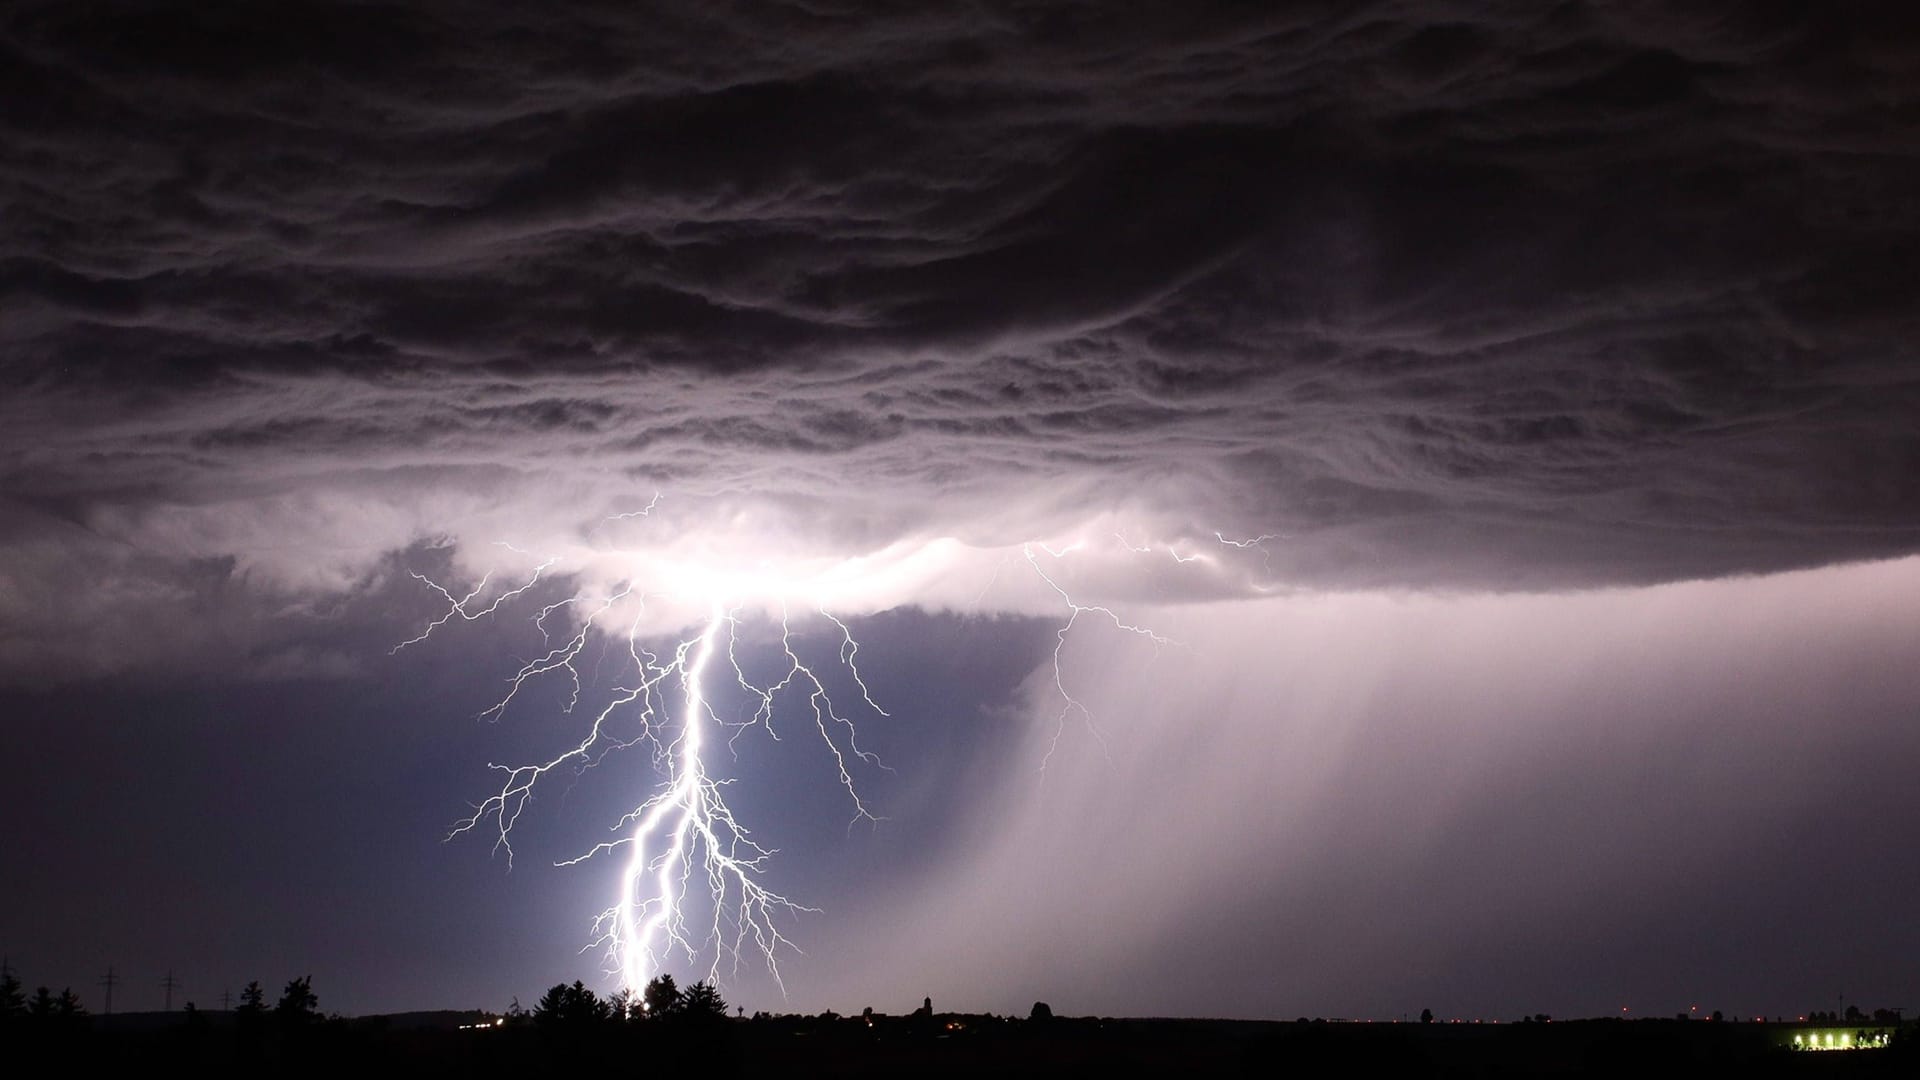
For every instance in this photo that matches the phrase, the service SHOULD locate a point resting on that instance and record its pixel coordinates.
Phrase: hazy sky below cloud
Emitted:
(1520, 338)
(1362, 804)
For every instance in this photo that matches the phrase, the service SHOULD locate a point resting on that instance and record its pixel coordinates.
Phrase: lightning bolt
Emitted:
(640, 513)
(691, 877)
(1258, 542)
(684, 842)
(630, 515)
(1075, 610)
(457, 606)
(1172, 551)
(685, 829)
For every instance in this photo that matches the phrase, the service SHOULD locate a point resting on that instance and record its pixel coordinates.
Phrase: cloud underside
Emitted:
(1511, 298)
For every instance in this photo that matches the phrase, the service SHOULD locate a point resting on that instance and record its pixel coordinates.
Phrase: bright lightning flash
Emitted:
(685, 833)
(691, 883)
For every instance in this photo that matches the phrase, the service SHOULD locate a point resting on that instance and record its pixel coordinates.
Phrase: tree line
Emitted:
(662, 1001)
(298, 1004)
(43, 1008)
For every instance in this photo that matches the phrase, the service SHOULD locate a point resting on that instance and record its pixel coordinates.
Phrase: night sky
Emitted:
(1505, 417)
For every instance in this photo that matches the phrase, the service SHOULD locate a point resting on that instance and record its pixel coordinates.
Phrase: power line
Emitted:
(109, 980)
(171, 984)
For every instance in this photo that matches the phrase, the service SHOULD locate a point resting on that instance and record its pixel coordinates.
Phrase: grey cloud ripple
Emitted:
(1484, 296)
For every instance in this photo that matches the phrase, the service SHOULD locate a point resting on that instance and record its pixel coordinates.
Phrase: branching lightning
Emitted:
(457, 606)
(685, 834)
(1070, 704)
(644, 511)
(691, 883)
(1257, 542)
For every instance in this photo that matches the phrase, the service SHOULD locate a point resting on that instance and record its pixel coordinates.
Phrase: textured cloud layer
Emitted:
(1497, 296)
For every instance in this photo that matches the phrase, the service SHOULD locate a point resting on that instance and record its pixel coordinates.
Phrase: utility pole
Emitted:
(171, 984)
(226, 1001)
(109, 980)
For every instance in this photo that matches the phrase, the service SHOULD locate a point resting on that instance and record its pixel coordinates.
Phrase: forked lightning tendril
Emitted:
(685, 834)
(1069, 703)
(691, 881)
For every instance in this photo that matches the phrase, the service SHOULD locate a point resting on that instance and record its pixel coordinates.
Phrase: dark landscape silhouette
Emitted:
(668, 1027)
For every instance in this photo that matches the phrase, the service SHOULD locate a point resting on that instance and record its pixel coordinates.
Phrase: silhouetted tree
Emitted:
(63, 1011)
(1040, 1011)
(13, 999)
(298, 1003)
(1426, 1016)
(661, 996)
(253, 1001)
(622, 1005)
(702, 1002)
(551, 1009)
(573, 1006)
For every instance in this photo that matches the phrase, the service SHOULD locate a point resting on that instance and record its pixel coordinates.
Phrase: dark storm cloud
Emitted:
(1504, 295)
(1517, 297)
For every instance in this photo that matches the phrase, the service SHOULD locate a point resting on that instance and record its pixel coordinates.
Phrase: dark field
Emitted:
(949, 1045)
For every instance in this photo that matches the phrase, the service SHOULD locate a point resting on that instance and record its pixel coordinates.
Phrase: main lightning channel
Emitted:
(684, 836)
(641, 919)
(685, 833)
